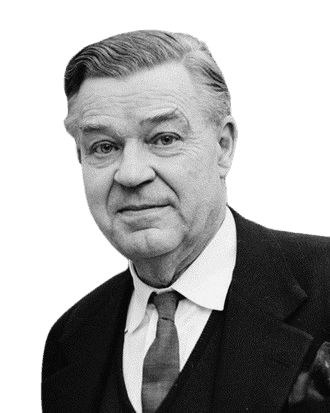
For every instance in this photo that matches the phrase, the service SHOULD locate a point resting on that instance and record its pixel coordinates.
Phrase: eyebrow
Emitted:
(92, 128)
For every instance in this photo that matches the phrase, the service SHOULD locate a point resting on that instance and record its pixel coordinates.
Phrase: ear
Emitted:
(78, 153)
(227, 138)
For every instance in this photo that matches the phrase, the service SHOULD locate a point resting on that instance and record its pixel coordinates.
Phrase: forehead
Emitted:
(147, 93)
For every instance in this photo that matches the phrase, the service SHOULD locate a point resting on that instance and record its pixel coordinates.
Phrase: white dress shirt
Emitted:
(204, 285)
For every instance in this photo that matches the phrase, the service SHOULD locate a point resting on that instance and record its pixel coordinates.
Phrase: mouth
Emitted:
(141, 208)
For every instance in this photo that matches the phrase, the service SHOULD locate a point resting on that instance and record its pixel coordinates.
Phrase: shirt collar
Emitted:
(205, 282)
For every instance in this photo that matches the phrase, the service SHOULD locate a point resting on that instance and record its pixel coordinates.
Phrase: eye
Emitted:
(165, 139)
(103, 148)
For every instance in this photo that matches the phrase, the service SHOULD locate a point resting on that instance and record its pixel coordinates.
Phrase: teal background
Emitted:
(275, 57)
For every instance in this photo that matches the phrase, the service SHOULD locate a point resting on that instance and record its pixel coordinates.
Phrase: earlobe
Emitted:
(227, 142)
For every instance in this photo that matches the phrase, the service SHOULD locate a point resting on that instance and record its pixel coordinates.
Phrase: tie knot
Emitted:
(166, 304)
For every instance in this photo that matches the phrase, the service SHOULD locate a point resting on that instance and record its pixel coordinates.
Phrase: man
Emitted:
(215, 313)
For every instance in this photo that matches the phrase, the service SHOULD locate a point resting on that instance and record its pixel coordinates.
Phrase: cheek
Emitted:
(97, 185)
(203, 190)
(201, 174)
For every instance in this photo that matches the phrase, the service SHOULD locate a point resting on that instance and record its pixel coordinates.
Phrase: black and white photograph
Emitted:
(166, 207)
(214, 310)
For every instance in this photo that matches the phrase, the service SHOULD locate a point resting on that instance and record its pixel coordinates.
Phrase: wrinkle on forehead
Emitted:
(139, 105)
(153, 119)
(121, 116)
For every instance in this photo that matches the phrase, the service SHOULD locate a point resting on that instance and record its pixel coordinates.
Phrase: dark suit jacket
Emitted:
(278, 315)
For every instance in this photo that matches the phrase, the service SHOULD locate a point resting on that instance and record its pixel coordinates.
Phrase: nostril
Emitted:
(131, 175)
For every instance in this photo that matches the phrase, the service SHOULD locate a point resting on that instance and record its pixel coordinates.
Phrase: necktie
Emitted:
(161, 364)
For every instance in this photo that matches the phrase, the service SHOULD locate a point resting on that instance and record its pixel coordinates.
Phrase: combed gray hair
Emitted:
(127, 53)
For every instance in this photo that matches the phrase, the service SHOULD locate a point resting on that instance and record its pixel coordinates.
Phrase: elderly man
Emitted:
(215, 313)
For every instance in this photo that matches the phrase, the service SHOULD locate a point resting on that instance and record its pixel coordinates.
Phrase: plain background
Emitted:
(275, 58)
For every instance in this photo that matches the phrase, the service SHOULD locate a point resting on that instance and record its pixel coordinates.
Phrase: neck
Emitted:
(161, 272)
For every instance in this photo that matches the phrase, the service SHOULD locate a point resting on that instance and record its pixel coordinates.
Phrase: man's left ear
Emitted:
(227, 137)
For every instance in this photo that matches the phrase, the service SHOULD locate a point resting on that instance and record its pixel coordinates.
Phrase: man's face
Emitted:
(152, 164)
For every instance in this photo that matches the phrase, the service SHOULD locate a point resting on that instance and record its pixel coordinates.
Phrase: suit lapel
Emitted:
(88, 348)
(261, 354)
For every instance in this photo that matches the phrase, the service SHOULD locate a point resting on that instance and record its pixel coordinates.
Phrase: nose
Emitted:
(134, 168)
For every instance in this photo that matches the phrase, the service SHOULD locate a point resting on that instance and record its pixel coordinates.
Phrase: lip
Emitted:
(141, 208)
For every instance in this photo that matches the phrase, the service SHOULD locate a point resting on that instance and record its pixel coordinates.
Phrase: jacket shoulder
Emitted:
(311, 251)
(307, 256)
(291, 241)
(90, 305)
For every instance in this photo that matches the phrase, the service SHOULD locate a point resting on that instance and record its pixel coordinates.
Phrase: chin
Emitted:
(148, 244)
